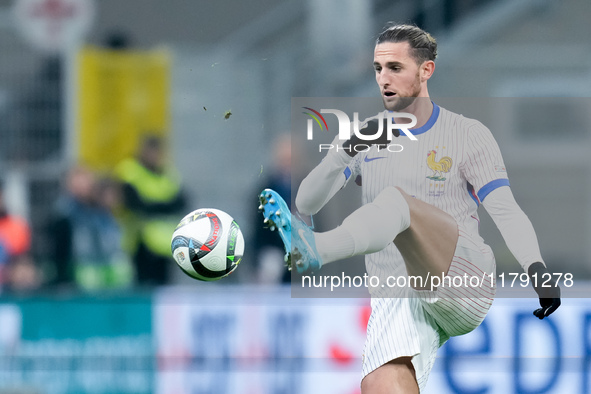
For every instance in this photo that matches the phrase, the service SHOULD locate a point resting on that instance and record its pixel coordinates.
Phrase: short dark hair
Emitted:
(423, 45)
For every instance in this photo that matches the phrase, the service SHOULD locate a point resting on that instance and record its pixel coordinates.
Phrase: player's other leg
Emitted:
(394, 377)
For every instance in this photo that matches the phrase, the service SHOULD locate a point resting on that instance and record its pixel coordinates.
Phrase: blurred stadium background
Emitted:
(81, 81)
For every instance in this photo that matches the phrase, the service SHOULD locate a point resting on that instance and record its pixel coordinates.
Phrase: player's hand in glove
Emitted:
(547, 290)
(371, 129)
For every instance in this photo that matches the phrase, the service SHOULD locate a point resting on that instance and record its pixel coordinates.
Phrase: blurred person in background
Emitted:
(16, 266)
(86, 246)
(268, 247)
(116, 271)
(22, 274)
(153, 199)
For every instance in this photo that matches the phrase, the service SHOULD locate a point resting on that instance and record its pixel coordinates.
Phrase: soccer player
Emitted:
(418, 218)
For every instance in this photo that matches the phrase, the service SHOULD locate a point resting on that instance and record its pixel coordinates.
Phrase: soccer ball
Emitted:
(207, 244)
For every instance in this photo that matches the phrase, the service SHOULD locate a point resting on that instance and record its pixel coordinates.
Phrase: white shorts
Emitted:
(417, 326)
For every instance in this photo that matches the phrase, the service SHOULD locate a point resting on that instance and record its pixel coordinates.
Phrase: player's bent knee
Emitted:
(401, 190)
(410, 200)
(392, 192)
(395, 377)
(393, 198)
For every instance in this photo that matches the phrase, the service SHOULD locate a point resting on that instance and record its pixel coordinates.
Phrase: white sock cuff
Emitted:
(392, 198)
(334, 245)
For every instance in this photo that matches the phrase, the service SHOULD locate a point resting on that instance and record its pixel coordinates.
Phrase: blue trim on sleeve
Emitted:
(347, 173)
(489, 187)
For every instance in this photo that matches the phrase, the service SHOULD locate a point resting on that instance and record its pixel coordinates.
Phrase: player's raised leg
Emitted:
(425, 235)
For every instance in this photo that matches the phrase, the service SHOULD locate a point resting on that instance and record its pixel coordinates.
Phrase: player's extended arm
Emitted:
(332, 173)
(323, 182)
(519, 234)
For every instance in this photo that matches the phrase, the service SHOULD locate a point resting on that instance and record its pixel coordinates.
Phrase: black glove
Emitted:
(549, 293)
(371, 129)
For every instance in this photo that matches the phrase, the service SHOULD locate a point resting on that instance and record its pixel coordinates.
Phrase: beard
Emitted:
(403, 102)
(400, 103)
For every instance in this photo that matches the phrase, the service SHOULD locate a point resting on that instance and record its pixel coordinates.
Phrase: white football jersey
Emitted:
(454, 164)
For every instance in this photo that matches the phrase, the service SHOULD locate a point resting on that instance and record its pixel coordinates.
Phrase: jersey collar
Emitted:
(427, 126)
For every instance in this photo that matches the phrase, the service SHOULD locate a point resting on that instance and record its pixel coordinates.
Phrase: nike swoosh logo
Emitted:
(301, 233)
(367, 159)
